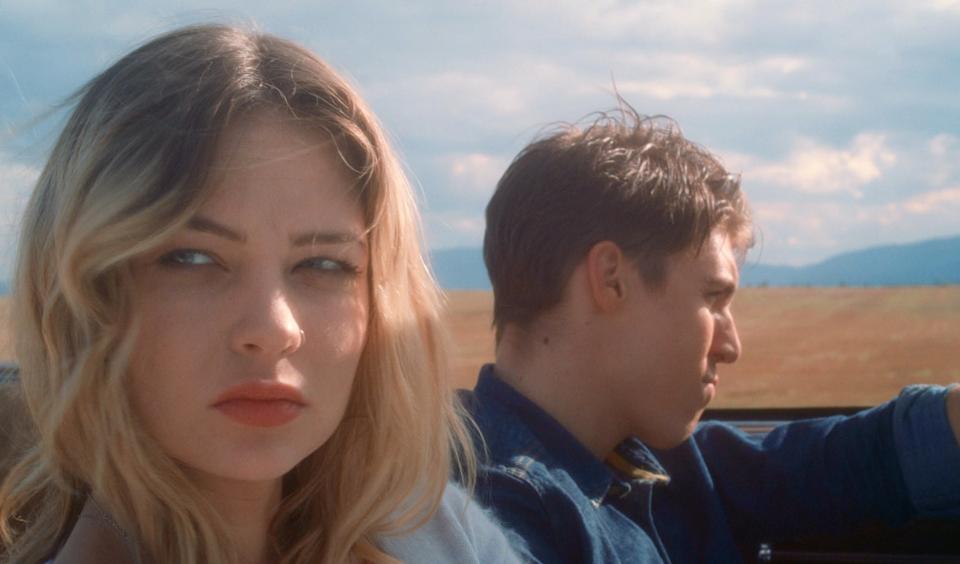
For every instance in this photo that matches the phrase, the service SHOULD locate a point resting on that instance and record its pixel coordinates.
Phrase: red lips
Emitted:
(261, 403)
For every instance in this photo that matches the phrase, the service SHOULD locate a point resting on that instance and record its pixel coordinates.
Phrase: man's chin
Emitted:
(672, 440)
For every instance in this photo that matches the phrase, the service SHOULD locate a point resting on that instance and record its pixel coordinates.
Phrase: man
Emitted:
(613, 251)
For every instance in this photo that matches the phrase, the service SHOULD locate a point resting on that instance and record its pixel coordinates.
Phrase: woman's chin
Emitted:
(240, 471)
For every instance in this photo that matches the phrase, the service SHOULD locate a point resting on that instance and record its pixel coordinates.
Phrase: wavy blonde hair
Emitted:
(129, 170)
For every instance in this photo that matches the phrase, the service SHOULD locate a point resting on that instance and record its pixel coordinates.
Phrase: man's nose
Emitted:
(726, 342)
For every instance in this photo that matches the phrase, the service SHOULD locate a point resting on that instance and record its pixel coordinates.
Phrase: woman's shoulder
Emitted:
(95, 538)
(460, 531)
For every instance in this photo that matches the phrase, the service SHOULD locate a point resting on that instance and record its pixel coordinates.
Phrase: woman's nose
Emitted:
(267, 324)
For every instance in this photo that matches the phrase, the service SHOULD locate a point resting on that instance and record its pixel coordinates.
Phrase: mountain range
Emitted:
(929, 262)
(924, 263)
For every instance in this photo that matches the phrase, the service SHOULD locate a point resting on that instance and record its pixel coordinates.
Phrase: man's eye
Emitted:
(187, 257)
(719, 298)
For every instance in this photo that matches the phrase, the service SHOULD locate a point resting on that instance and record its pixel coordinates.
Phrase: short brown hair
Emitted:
(622, 177)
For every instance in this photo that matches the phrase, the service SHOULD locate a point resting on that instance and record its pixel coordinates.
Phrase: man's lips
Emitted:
(261, 403)
(711, 378)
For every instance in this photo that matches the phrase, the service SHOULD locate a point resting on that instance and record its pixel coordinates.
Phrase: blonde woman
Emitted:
(228, 338)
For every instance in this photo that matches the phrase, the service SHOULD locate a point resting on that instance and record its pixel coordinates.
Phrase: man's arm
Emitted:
(888, 463)
(953, 412)
(926, 432)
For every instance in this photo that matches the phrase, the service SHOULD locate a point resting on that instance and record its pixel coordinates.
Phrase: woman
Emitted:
(228, 339)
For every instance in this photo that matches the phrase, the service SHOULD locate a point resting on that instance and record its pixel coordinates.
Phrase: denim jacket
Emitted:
(721, 493)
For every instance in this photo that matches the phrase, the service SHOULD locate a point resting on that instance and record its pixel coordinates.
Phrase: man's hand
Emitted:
(953, 411)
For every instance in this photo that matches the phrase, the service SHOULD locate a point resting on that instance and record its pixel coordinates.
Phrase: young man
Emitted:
(613, 252)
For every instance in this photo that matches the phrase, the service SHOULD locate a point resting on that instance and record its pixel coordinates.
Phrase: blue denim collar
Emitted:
(552, 444)
(642, 461)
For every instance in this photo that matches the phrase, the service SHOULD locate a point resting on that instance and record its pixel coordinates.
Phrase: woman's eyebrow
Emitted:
(207, 225)
(317, 237)
(327, 238)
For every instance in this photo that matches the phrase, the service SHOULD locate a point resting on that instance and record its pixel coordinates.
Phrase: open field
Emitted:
(801, 346)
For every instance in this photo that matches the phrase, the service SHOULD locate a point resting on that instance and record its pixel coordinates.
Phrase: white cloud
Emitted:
(466, 181)
(52, 18)
(473, 175)
(799, 225)
(17, 180)
(707, 75)
(945, 5)
(945, 153)
(122, 20)
(461, 83)
(940, 145)
(500, 96)
(500, 103)
(799, 233)
(483, 93)
(814, 168)
(658, 20)
(934, 202)
(914, 194)
(451, 229)
(440, 106)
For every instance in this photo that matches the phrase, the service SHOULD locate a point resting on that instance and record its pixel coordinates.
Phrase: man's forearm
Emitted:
(953, 411)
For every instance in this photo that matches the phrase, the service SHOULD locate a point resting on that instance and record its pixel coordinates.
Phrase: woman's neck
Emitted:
(246, 509)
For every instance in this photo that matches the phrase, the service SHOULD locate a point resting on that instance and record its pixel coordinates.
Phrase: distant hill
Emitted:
(931, 262)
(460, 269)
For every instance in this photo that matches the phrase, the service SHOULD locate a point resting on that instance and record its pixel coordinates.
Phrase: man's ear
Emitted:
(606, 274)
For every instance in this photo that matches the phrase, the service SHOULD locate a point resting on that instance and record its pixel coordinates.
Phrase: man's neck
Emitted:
(546, 367)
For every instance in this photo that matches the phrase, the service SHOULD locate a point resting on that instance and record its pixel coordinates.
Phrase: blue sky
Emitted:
(843, 118)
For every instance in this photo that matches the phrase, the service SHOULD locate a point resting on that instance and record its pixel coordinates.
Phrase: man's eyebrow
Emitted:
(207, 225)
(327, 238)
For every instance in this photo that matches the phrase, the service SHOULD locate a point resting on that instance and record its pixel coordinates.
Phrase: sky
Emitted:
(843, 118)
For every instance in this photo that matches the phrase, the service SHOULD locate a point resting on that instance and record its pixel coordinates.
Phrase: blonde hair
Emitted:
(129, 170)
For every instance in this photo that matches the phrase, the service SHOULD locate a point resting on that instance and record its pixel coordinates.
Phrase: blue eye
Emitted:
(187, 257)
(720, 298)
(324, 264)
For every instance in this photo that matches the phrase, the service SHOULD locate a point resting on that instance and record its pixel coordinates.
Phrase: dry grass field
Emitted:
(801, 346)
